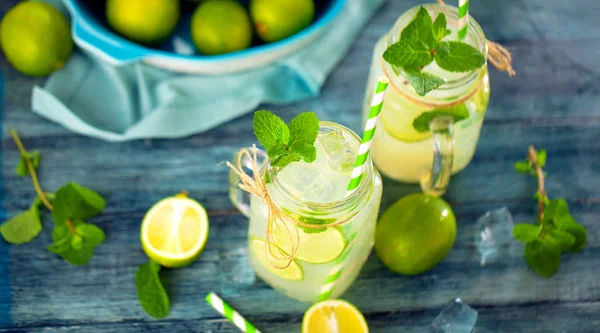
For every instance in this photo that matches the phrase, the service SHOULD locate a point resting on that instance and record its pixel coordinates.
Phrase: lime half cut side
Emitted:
(315, 248)
(334, 316)
(174, 231)
(293, 272)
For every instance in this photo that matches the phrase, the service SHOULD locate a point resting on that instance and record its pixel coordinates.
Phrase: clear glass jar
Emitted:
(407, 154)
(328, 259)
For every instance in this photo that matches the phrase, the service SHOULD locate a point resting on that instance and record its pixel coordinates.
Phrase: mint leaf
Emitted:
(526, 232)
(304, 129)
(523, 166)
(408, 53)
(34, 157)
(568, 224)
(420, 28)
(62, 239)
(92, 235)
(270, 130)
(77, 242)
(76, 248)
(460, 57)
(542, 257)
(285, 159)
(541, 157)
(458, 113)
(78, 257)
(439, 27)
(423, 82)
(150, 291)
(74, 201)
(559, 238)
(22, 228)
(315, 221)
(556, 209)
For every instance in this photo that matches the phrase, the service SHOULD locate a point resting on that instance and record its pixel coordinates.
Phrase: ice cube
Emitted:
(306, 182)
(456, 317)
(335, 148)
(493, 234)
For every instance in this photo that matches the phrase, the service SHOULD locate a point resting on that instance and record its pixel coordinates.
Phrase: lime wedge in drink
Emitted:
(174, 231)
(315, 248)
(292, 272)
(334, 316)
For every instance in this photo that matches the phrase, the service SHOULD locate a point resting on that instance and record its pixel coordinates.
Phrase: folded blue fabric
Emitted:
(138, 101)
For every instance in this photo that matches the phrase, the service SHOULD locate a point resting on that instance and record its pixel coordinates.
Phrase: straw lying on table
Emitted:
(228, 312)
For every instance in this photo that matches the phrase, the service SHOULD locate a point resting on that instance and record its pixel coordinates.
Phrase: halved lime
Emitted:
(292, 272)
(334, 316)
(315, 248)
(174, 231)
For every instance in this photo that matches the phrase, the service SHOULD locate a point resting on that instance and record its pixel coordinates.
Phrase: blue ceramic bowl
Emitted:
(92, 33)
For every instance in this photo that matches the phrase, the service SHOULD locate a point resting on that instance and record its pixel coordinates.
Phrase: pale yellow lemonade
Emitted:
(400, 150)
(316, 193)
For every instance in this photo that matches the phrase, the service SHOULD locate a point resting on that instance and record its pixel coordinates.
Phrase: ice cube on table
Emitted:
(334, 148)
(493, 233)
(456, 317)
(306, 182)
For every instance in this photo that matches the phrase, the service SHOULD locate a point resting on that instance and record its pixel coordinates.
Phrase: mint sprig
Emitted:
(421, 42)
(556, 232)
(73, 238)
(150, 291)
(287, 143)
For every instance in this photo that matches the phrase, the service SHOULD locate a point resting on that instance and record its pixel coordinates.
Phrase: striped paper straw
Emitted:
(367, 139)
(228, 312)
(336, 272)
(463, 18)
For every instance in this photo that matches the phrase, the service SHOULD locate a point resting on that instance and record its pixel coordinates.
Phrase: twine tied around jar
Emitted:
(276, 219)
(499, 56)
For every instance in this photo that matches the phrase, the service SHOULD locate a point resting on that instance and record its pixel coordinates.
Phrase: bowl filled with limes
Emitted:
(199, 36)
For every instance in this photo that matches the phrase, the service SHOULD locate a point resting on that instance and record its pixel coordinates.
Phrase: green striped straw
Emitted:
(336, 271)
(463, 18)
(228, 312)
(367, 139)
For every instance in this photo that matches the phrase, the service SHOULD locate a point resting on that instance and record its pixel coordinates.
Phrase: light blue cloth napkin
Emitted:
(139, 101)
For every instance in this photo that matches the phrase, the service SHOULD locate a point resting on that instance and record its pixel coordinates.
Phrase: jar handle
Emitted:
(435, 181)
(239, 197)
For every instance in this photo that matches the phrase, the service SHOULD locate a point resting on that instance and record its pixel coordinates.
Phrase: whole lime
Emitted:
(35, 38)
(221, 26)
(143, 21)
(415, 234)
(278, 19)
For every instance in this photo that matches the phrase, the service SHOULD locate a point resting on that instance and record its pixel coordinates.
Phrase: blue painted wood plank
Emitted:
(553, 103)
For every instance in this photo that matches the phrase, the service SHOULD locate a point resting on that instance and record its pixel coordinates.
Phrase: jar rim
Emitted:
(347, 203)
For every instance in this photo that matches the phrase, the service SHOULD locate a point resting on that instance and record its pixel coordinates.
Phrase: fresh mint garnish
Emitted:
(73, 238)
(150, 291)
(556, 231)
(421, 43)
(458, 113)
(287, 143)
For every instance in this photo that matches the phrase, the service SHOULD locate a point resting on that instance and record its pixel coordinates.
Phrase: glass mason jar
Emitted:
(328, 259)
(409, 153)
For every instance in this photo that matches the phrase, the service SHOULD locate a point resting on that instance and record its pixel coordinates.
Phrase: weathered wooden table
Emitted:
(553, 102)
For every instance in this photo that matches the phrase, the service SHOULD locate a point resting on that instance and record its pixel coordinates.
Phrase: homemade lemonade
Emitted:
(405, 142)
(328, 259)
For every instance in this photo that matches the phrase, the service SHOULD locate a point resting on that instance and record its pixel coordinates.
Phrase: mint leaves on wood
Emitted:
(287, 143)
(556, 231)
(150, 291)
(73, 238)
(421, 42)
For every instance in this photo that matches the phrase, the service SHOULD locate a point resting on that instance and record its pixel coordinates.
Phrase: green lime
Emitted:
(143, 21)
(293, 272)
(35, 38)
(174, 231)
(315, 248)
(278, 19)
(415, 234)
(221, 26)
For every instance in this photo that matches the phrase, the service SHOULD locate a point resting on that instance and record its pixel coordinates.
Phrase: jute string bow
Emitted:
(277, 221)
(497, 55)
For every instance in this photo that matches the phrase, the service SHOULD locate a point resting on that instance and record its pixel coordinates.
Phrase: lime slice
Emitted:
(174, 231)
(334, 316)
(292, 272)
(315, 248)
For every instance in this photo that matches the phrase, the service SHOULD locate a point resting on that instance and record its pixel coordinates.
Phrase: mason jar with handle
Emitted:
(326, 236)
(426, 139)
